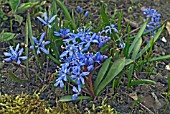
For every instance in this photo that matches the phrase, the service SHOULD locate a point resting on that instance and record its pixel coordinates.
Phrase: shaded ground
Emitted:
(122, 98)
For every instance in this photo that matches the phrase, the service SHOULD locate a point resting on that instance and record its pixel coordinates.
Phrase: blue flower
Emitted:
(77, 92)
(154, 19)
(64, 33)
(122, 45)
(79, 77)
(110, 28)
(60, 82)
(86, 14)
(15, 55)
(80, 10)
(40, 45)
(70, 49)
(47, 21)
(99, 58)
(65, 70)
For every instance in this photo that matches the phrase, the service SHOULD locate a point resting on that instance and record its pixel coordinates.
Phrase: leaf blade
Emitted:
(101, 73)
(115, 69)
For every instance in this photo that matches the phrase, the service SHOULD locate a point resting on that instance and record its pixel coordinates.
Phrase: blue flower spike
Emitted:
(40, 45)
(15, 55)
(47, 21)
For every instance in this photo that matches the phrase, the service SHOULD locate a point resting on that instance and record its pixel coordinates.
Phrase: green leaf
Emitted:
(102, 73)
(149, 44)
(18, 18)
(6, 36)
(14, 5)
(54, 59)
(128, 61)
(115, 69)
(142, 81)
(16, 79)
(67, 14)
(120, 20)
(136, 48)
(69, 98)
(159, 58)
(25, 6)
(137, 37)
(104, 17)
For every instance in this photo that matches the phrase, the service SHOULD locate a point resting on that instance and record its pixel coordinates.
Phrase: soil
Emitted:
(138, 99)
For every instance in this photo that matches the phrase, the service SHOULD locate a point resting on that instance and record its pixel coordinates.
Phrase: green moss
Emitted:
(32, 104)
(26, 104)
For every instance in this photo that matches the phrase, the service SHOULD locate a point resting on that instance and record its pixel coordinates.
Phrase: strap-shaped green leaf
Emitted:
(137, 37)
(115, 69)
(102, 73)
(69, 98)
(142, 81)
(149, 44)
(136, 48)
(159, 58)
(104, 17)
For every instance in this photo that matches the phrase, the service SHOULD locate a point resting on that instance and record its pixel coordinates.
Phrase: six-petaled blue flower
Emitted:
(15, 55)
(40, 45)
(47, 21)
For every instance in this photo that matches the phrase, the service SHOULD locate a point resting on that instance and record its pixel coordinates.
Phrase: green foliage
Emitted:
(15, 78)
(14, 4)
(69, 98)
(114, 70)
(102, 73)
(67, 14)
(104, 17)
(6, 36)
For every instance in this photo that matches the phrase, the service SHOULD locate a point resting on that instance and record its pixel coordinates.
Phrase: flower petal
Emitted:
(8, 59)
(42, 37)
(52, 19)
(44, 50)
(7, 54)
(39, 18)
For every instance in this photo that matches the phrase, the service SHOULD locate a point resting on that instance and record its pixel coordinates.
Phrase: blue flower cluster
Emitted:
(78, 59)
(154, 18)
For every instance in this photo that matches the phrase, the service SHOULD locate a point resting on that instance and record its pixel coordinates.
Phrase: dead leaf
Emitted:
(134, 96)
(167, 67)
(168, 27)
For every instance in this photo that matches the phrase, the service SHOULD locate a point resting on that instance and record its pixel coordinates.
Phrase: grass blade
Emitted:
(67, 14)
(159, 58)
(104, 17)
(26, 50)
(115, 69)
(102, 73)
(16, 79)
